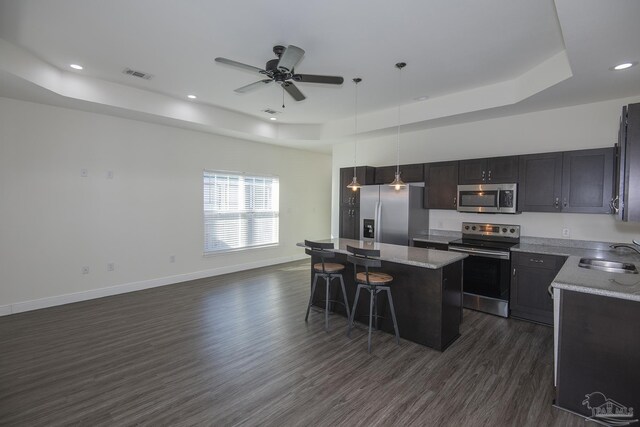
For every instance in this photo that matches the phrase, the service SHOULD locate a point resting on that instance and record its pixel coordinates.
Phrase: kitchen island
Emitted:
(427, 291)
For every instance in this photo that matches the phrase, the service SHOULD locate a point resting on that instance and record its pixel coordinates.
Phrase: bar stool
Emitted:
(374, 282)
(328, 271)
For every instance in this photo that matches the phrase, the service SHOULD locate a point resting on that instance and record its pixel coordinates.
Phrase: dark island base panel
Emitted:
(599, 353)
(428, 302)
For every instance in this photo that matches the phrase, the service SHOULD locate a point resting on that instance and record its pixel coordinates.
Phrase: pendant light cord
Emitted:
(398, 131)
(355, 140)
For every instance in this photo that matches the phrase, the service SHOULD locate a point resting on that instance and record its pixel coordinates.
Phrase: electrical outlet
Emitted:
(566, 232)
(172, 258)
(84, 173)
(111, 266)
(85, 270)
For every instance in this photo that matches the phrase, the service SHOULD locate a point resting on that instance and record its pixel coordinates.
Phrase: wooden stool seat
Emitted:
(375, 278)
(329, 267)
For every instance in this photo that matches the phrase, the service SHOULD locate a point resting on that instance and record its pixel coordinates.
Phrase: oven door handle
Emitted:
(481, 252)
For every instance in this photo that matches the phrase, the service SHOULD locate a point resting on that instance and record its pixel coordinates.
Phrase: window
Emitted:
(240, 211)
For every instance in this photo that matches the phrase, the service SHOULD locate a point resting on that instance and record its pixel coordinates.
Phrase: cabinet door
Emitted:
(587, 181)
(632, 163)
(412, 173)
(348, 197)
(349, 223)
(540, 188)
(441, 185)
(472, 171)
(531, 277)
(502, 170)
(385, 174)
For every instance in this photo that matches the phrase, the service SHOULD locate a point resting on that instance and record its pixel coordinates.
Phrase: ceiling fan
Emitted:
(281, 71)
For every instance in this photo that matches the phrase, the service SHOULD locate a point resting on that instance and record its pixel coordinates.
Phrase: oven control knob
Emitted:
(504, 229)
(513, 230)
(466, 227)
(473, 228)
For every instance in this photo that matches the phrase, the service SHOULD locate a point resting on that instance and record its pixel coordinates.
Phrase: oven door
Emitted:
(486, 280)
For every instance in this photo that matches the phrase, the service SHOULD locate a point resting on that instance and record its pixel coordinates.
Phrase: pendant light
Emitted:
(354, 185)
(397, 182)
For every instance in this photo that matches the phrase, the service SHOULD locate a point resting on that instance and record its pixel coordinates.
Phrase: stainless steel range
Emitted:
(487, 269)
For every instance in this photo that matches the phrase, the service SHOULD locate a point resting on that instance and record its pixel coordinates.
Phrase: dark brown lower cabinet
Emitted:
(531, 276)
(431, 245)
(598, 354)
(350, 223)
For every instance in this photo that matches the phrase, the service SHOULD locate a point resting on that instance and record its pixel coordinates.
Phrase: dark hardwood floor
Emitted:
(235, 350)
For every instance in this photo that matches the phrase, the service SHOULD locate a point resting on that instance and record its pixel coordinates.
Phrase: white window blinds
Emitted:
(240, 211)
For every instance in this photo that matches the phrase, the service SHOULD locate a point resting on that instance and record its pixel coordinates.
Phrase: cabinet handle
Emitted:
(564, 202)
(550, 291)
(514, 272)
(489, 175)
(557, 203)
(615, 202)
(538, 261)
(455, 202)
(483, 174)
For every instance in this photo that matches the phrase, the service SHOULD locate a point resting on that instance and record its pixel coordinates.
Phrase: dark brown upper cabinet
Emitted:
(587, 180)
(365, 175)
(540, 187)
(441, 185)
(408, 173)
(494, 170)
(627, 200)
(574, 181)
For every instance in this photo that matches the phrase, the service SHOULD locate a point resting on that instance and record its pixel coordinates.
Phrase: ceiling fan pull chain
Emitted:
(283, 96)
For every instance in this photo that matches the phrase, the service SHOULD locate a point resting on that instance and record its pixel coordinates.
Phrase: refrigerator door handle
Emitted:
(378, 229)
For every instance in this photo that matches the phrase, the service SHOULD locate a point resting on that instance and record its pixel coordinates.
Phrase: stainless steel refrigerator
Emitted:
(392, 216)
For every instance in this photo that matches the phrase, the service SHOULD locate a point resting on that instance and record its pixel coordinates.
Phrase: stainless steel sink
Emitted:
(610, 266)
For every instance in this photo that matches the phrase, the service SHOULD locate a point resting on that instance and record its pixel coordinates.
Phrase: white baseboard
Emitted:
(36, 304)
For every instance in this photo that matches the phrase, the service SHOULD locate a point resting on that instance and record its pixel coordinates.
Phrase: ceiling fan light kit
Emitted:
(281, 71)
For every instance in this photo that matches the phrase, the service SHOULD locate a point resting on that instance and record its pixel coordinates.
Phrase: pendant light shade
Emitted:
(354, 185)
(397, 183)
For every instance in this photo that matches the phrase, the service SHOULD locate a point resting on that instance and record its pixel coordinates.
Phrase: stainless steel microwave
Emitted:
(488, 198)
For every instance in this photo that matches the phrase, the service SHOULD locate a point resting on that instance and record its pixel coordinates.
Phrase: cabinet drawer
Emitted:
(551, 262)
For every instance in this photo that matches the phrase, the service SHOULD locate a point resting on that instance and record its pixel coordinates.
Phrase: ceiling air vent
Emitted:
(136, 73)
(270, 111)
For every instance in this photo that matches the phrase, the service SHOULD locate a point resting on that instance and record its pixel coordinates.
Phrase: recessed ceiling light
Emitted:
(76, 66)
(191, 96)
(421, 98)
(624, 66)
(272, 118)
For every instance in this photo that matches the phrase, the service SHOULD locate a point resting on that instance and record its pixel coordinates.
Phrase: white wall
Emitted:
(53, 221)
(571, 128)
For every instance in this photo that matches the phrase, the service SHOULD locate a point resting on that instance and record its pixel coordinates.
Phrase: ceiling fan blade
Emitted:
(240, 65)
(253, 86)
(293, 91)
(290, 58)
(313, 78)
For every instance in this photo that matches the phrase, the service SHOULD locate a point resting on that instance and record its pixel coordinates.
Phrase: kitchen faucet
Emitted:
(633, 247)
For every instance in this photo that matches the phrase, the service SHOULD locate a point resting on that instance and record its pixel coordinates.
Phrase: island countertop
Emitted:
(419, 257)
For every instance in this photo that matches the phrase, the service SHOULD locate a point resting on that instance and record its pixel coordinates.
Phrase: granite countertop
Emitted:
(418, 257)
(438, 236)
(571, 277)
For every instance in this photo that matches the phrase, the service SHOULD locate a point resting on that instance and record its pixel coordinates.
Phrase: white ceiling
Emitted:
(467, 56)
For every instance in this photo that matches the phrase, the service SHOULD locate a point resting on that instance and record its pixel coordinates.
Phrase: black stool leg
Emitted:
(344, 297)
(313, 290)
(371, 292)
(393, 315)
(327, 282)
(353, 311)
(375, 308)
